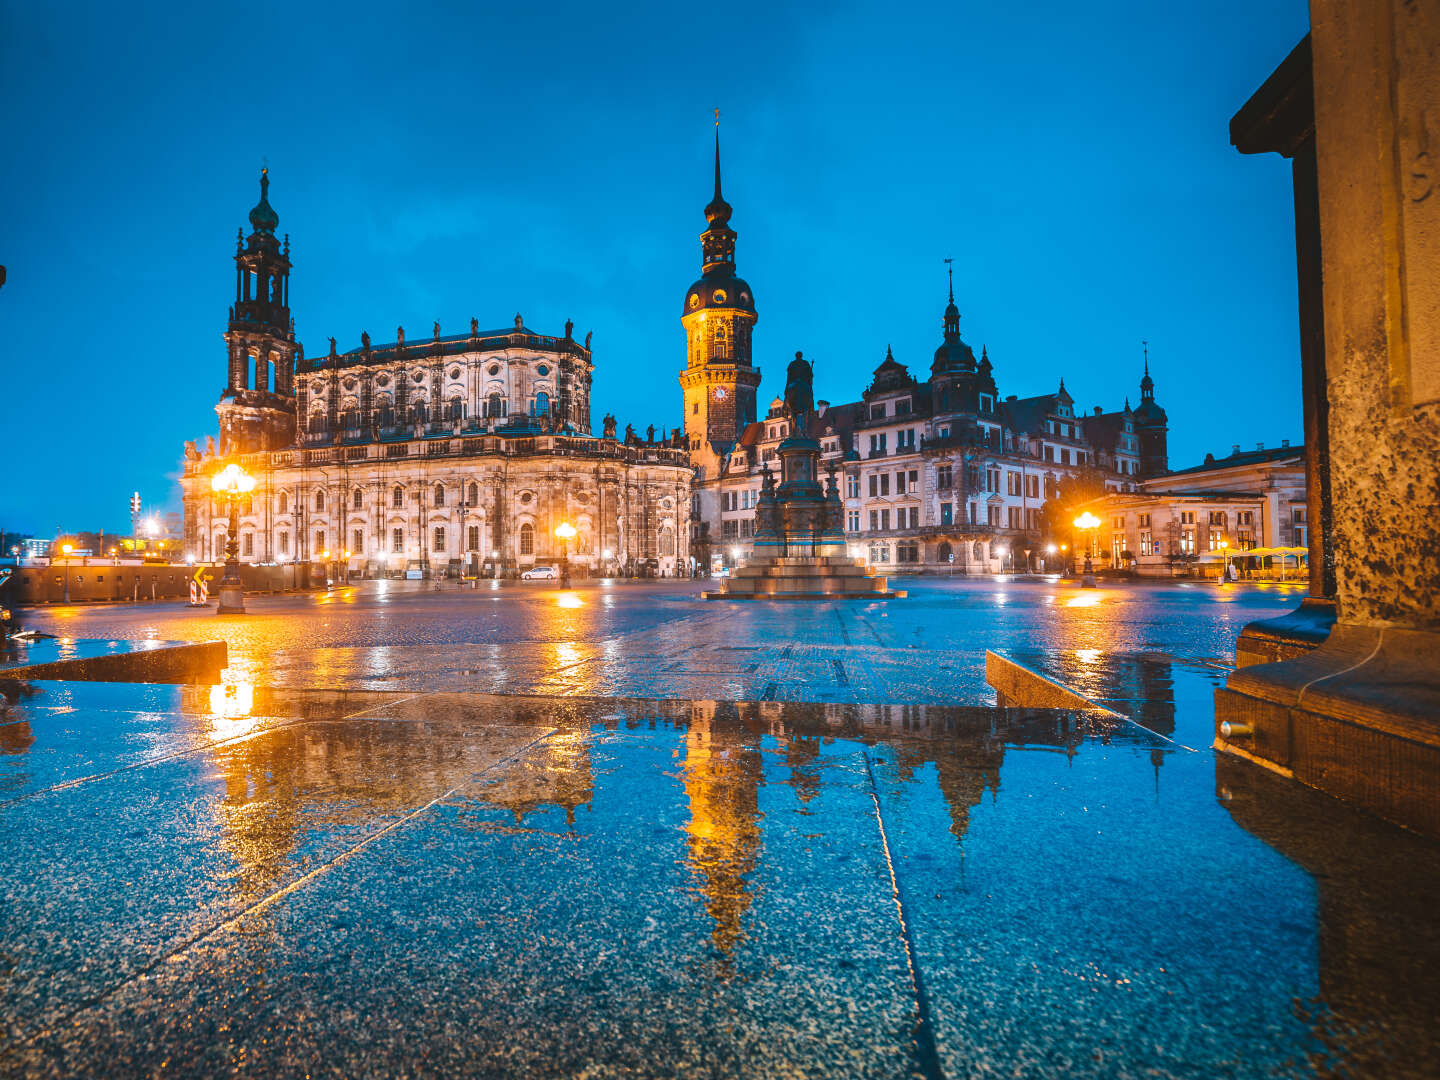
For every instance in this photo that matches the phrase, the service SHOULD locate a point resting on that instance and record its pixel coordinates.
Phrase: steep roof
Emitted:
(1027, 415)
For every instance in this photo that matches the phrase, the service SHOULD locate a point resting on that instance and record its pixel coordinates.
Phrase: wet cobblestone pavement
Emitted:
(205, 881)
(346, 861)
(660, 640)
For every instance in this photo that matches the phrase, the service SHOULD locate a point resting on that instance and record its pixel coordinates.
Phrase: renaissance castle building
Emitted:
(939, 474)
(448, 454)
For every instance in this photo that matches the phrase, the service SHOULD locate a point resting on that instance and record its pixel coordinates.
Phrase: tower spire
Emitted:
(718, 241)
(1147, 384)
(717, 157)
(952, 313)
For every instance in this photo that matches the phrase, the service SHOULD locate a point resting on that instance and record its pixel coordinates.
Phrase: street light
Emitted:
(1087, 523)
(66, 549)
(231, 483)
(566, 532)
(1224, 546)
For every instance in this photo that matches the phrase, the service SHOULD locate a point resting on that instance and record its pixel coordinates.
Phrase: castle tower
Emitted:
(957, 378)
(257, 407)
(1152, 426)
(719, 380)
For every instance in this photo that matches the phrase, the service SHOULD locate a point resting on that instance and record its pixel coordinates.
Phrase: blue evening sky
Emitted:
(442, 161)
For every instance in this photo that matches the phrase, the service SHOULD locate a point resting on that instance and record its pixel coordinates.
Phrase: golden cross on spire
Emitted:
(717, 117)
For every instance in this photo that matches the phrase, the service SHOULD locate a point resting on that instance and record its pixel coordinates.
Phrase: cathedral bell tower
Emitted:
(259, 414)
(719, 380)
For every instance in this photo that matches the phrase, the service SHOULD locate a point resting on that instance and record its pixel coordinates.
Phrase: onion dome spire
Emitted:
(263, 218)
(1147, 384)
(718, 212)
(717, 243)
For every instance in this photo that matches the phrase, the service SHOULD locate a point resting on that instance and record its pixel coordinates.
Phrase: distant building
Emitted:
(937, 474)
(1196, 518)
(441, 455)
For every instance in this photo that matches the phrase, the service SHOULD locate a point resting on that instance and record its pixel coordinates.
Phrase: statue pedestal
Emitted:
(800, 550)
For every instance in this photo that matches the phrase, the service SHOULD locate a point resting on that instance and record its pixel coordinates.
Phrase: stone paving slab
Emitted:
(142, 859)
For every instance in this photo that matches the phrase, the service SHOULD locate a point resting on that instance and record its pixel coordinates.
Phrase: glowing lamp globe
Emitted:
(232, 480)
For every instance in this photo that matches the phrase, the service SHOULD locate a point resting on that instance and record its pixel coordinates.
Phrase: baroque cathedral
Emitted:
(438, 456)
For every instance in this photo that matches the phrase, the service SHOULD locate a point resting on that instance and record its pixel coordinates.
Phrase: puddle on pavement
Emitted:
(356, 882)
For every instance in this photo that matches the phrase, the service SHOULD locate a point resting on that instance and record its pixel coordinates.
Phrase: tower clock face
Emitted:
(719, 393)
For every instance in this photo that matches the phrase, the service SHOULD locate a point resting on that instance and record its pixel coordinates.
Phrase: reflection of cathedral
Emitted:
(438, 454)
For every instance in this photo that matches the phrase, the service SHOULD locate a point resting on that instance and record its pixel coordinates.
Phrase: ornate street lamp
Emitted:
(232, 483)
(1087, 523)
(566, 532)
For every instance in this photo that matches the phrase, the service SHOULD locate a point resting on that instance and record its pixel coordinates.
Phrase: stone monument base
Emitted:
(804, 577)
(1358, 718)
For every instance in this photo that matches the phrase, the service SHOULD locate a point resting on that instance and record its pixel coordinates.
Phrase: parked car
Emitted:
(541, 573)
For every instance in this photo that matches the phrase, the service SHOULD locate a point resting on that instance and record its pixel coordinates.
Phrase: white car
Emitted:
(540, 573)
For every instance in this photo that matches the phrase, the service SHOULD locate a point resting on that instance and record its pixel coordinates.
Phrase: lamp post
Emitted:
(1225, 561)
(565, 531)
(65, 550)
(232, 482)
(1087, 523)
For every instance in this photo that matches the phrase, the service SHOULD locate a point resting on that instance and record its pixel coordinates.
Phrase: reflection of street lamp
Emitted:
(66, 549)
(566, 532)
(231, 483)
(1087, 523)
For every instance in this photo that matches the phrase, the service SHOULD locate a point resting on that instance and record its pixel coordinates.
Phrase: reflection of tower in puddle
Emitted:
(723, 770)
(965, 769)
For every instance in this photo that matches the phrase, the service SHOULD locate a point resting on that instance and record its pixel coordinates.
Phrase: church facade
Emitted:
(447, 455)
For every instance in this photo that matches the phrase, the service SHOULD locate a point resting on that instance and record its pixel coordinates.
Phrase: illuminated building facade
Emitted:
(447, 455)
(941, 474)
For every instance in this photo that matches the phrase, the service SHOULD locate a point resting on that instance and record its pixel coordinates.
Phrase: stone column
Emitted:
(1357, 716)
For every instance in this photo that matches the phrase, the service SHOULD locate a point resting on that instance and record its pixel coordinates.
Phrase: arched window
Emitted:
(397, 497)
(527, 539)
(317, 423)
(496, 406)
(439, 494)
(455, 409)
(385, 412)
(350, 419)
(667, 542)
(946, 553)
(320, 548)
(418, 412)
(357, 499)
(978, 551)
(474, 495)
(284, 502)
(319, 498)
(542, 403)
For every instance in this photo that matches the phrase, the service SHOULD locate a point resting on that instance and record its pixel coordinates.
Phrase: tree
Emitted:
(1058, 513)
